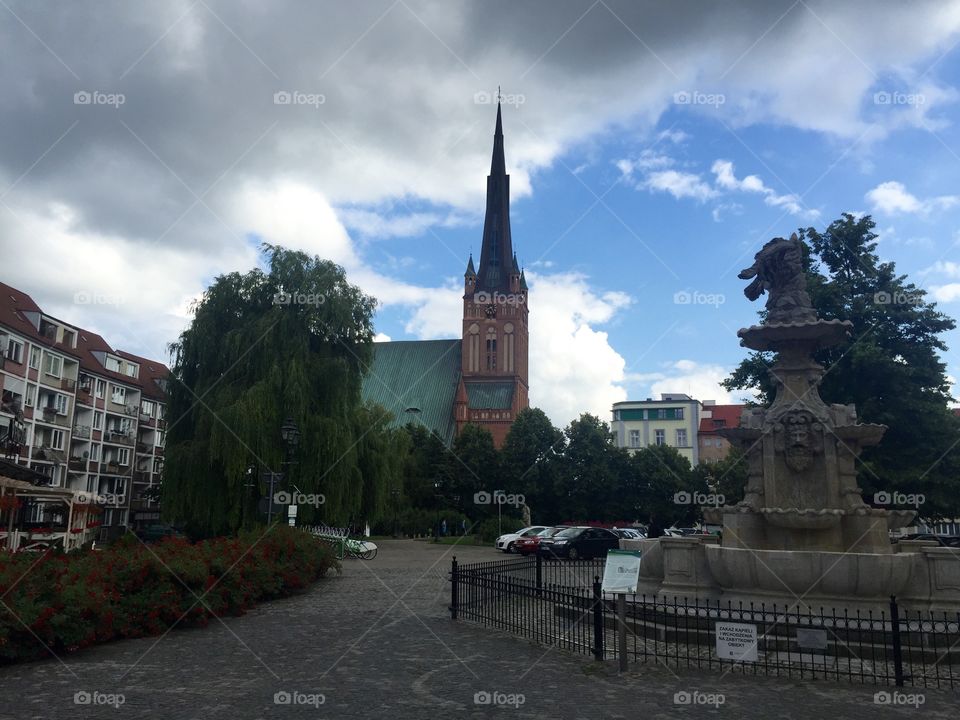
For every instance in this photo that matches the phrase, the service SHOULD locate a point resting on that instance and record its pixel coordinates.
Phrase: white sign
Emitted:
(621, 572)
(736, 641)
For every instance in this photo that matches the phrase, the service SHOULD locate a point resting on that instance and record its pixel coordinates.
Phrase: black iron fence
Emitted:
(560, 603)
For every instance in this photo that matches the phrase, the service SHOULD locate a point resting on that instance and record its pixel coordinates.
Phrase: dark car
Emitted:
(528, 545)
(579, 542)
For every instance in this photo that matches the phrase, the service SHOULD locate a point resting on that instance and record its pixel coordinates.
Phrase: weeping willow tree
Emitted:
(291, 342)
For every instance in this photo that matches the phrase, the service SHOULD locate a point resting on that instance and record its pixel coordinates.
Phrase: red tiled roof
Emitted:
(721, 416)
(151, 372)
(13, 303)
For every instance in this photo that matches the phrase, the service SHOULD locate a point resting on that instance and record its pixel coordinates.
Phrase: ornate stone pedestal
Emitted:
(802, 534)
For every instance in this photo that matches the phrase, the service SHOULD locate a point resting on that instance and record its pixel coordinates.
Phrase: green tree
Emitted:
(474, 466)
(291, 340)
(891, 369)
(589, 472)
(529, 461)
(656, 474)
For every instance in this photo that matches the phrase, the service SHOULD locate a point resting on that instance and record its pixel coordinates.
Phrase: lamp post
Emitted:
(290, 435)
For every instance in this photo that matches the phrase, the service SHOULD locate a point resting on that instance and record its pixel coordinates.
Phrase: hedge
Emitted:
(60, 602)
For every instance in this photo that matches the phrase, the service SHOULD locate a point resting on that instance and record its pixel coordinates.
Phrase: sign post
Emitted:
(620, 576)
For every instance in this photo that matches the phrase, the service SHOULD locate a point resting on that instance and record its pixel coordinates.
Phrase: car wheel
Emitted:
(510, 547)
(573, 554)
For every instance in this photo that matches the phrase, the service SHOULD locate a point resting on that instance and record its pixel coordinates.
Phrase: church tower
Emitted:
(493, 386)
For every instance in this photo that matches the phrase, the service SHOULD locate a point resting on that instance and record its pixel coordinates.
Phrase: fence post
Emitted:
(622, 630)
(897, 647)
(539, 572)
(597, 619)
(454, 589)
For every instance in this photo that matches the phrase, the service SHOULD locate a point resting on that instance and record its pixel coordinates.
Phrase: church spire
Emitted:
(496, 252)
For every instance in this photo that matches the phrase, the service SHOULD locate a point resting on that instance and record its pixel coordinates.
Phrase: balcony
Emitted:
(111, 468)
(84, 395)
(161, 423)
(131, 410)
(146, 420)
(68, 384)
(50, 415)
(77, 463)
(142, 447)
(119, 437)
(81, 432)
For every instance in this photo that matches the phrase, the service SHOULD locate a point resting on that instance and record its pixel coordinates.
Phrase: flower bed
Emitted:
(68, 601)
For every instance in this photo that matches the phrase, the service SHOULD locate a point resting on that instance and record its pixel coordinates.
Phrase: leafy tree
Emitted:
(590, 471)
(656, 474)
(474, 467)
(529, 461)
(248, 361)
(427, 467)
(891, 370)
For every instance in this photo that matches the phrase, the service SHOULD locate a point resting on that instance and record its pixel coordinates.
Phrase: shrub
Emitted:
(489, 530)
(62, 602)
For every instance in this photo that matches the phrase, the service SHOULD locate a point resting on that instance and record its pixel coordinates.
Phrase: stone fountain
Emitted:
(802, 535)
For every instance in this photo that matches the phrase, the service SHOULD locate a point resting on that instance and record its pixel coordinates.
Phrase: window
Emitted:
(132, 370)
(634, 438)
(101, 388)
(52, 365)
(95, 452)
(35, 358)
(60, 403)
(157, 465)
(146, 407)
(112, 364)
(97, 420)
(56, 439)
(123, 456)
(30, 396)
(681, 437)
(160, 435)
(661, 414)
(159, 411)
(660, 437)
(118, 395)
(678, 414)
(15, 351)
(491, 352)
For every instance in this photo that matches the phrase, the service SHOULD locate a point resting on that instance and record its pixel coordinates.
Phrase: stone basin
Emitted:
(803, 517)
(812, 575)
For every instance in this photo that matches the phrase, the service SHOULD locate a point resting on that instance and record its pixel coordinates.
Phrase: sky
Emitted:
(653, 148)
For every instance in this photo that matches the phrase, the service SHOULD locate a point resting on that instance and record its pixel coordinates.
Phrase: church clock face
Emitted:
(491, 311)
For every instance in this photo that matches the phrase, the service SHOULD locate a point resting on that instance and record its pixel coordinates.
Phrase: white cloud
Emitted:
(893, 198)
(381, 337)
(700, 381)
(679, 184)
(727, 179)
(946, 293)
(387, 224)
(945, 267)
(573, 368)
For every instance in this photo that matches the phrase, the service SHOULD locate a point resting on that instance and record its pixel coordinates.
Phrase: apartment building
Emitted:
(714, 418)
(671, 420)
(86, 416)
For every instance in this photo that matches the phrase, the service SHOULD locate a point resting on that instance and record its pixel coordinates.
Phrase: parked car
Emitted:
(530, 544)
(579, 542)
(506, 542)
(943, 540)
(683, 532)
(629, 533)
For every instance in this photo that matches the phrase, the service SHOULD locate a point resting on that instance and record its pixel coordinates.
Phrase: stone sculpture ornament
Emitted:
(778, 270)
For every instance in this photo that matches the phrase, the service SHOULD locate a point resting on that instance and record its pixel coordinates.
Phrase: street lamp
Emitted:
(290, 434)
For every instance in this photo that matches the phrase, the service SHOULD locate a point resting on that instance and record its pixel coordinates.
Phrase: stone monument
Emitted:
(802, 535)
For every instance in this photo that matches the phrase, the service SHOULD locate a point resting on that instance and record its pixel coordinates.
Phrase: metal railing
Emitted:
(548, 602)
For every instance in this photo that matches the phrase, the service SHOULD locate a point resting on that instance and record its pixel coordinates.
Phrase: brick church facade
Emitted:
(482, 378)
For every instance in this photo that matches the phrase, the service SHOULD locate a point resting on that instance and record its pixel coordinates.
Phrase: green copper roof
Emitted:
(489, 395)
(417, 382)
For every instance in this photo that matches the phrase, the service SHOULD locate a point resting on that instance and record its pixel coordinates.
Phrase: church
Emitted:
(480, 378)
